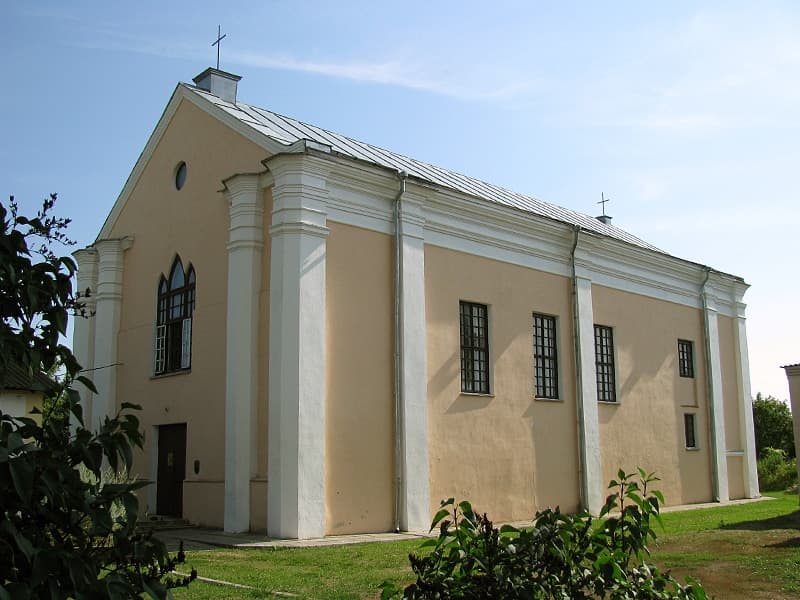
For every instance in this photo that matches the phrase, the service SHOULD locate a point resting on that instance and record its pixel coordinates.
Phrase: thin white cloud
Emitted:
(445, 79)
(402, 73)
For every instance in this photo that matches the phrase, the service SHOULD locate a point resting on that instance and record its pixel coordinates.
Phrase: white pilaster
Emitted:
(715, 400)
(415, 486)
(588, 425)
(245, 246)
(296, 441)
(793, 375)
(83, 330)
(750, 475)
(108, 302)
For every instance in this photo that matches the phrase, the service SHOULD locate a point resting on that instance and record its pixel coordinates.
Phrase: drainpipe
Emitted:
(709, 382)
(578, 369)
(398, 350)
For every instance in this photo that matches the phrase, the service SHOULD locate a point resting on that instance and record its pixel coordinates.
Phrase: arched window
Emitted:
(176, 294)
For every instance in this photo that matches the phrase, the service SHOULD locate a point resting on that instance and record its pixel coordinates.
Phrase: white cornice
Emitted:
(362, 195)
(792, 370)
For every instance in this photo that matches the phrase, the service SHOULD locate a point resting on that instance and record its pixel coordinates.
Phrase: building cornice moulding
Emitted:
(362, 195)
(792, 370)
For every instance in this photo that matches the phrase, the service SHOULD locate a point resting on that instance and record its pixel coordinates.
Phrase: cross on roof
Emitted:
(603, 201)
(217, 42)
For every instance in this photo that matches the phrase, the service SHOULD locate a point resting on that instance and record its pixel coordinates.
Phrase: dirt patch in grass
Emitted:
(736, 564)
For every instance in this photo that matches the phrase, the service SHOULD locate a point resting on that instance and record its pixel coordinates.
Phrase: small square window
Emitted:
(689, 430)
(474, 348)
(685, 358)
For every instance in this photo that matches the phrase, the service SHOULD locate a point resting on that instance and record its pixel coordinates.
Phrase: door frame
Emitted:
(156, 456)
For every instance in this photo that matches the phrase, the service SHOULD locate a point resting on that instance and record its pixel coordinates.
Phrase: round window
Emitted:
(180, 175)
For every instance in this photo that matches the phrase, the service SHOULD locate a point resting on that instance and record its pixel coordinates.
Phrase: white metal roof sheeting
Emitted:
(286, 130)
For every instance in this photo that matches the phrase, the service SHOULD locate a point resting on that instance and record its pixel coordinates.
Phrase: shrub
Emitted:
(775, 470)
(63, 535)
(561, 556)
(772, 421)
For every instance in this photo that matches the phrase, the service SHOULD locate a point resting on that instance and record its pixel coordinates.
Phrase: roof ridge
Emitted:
(469, 185)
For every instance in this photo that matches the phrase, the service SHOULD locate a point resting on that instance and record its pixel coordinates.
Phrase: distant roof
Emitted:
(790, 366)
(17, 378)
(287, 131)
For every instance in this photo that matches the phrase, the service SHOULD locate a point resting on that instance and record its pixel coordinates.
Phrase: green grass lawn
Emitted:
(738, 552)
(743, 551)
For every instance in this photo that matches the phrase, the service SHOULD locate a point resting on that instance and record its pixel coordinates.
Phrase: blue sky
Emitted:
(686, 116)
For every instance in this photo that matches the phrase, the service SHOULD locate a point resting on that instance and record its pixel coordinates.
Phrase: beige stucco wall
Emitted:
(359, 409)
(736, 476)
(20, 403)
(645, 427)
(507, 453)
(193, 223)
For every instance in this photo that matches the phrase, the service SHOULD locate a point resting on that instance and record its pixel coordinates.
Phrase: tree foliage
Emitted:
(63, 535)
(561, 556)
(776, 472)
(772, 421)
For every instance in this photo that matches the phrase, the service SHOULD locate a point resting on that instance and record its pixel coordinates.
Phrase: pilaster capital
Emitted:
(299, 195)
(244, 192)
(86, 258)
(710, 302)
(583, 277)
(86, 277)
(306, 169)
(109, 250)
(584, 267)
(412, 215)
(109, 267)
(243, 188)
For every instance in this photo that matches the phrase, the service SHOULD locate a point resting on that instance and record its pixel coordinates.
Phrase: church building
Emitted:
(327, 337)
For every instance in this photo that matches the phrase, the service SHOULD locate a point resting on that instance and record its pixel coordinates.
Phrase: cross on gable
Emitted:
(603, 201)
(217, 42)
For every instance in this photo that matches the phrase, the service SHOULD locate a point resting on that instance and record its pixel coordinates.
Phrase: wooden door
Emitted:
(171, 469)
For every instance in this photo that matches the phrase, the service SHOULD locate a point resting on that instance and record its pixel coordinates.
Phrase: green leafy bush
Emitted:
(772, 421)
(775, 470)
(63, 535)
(561, 556)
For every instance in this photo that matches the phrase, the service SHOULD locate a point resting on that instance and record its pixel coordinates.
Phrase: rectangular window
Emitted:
(474, 348)
(545, 358)
(685, 358)
(604, 364)
(689, 430)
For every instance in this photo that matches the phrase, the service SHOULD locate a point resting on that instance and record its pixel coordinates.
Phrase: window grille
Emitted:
(604, 363)
(689, 429)
(545, 368)
(176, 300)
(474, 348)
(685, 358)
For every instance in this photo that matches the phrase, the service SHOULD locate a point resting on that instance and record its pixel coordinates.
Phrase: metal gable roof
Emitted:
(287, 131)
(15, 377)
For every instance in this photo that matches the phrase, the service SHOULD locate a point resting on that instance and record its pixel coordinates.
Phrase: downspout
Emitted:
(709, 382)
(398, 350)
(578, 372)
